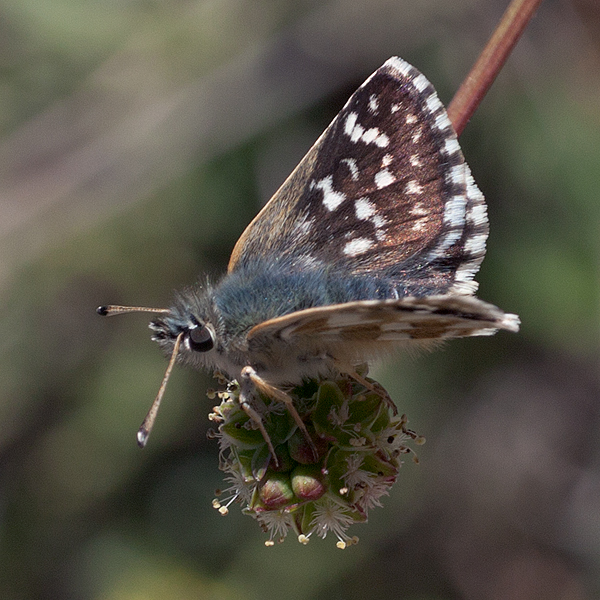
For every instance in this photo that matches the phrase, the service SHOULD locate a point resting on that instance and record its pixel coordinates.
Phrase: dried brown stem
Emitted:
(494, 55)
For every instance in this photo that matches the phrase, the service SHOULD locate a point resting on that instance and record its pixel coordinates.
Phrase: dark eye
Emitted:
(200, 338)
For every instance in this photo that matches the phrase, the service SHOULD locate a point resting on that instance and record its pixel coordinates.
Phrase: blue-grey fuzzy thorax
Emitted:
(259, 292)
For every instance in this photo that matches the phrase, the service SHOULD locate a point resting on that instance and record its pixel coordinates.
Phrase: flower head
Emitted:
(319, 485)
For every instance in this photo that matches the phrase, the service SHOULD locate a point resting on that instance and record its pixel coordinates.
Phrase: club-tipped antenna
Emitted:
(110, 310)
(146, 428)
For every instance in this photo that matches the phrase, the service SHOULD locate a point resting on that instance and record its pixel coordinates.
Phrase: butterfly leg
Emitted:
(245, 396)
(250, 375)
(374, 387)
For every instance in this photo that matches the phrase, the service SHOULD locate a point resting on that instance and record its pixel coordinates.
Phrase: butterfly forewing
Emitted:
(384, 191)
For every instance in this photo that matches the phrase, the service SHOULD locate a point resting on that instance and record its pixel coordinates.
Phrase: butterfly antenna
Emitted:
(146, 428)
(114, 309)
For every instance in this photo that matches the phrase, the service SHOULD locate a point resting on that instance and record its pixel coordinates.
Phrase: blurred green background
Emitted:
(138, 138)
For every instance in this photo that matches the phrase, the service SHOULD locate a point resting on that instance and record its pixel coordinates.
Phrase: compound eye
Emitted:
(201, 338)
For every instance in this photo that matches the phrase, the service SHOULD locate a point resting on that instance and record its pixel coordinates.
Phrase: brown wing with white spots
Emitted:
(406, 319)
(385, 190)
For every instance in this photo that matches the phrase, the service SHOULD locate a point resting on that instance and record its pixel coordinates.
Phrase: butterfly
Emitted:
(370, 245)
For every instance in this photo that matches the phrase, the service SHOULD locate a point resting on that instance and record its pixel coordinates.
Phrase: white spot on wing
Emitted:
(442, 121)
(379, 223)
(331, 198)
(380, 235)
(476, 244)
(307, 261)
(353, 129)
(357, 246)
(374, 136)
(303, 226)
(449, 239)
(456, 175)
(384, 178)
(370, 135)
(454, 211)
(419, 224)
(451, 146)
(364, 209)
(433, 103)
(350, 123)
(466, 271)
(420, 82)
(477, 214)
(352, 167)
(400, 65)
(382, 140)
(410, 119)
(477, 218)
(386, 160)
(373, 103)
(413, 187)
(357, 132)
(418, 210)
(415, 161)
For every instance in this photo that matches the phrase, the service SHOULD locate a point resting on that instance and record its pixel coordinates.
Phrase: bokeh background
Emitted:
(137, 139)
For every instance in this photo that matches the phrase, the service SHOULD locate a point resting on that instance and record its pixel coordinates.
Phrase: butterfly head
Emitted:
(197, 336)
(195, 328)
(188, 330)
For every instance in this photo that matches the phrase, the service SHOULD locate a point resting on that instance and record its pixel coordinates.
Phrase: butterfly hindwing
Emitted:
(384, 191)
(405, 319)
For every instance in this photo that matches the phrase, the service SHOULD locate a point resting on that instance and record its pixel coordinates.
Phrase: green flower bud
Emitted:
(276, 491)
(307, 482)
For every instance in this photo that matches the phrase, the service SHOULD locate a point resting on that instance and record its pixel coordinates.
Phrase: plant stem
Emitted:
(488, 65)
